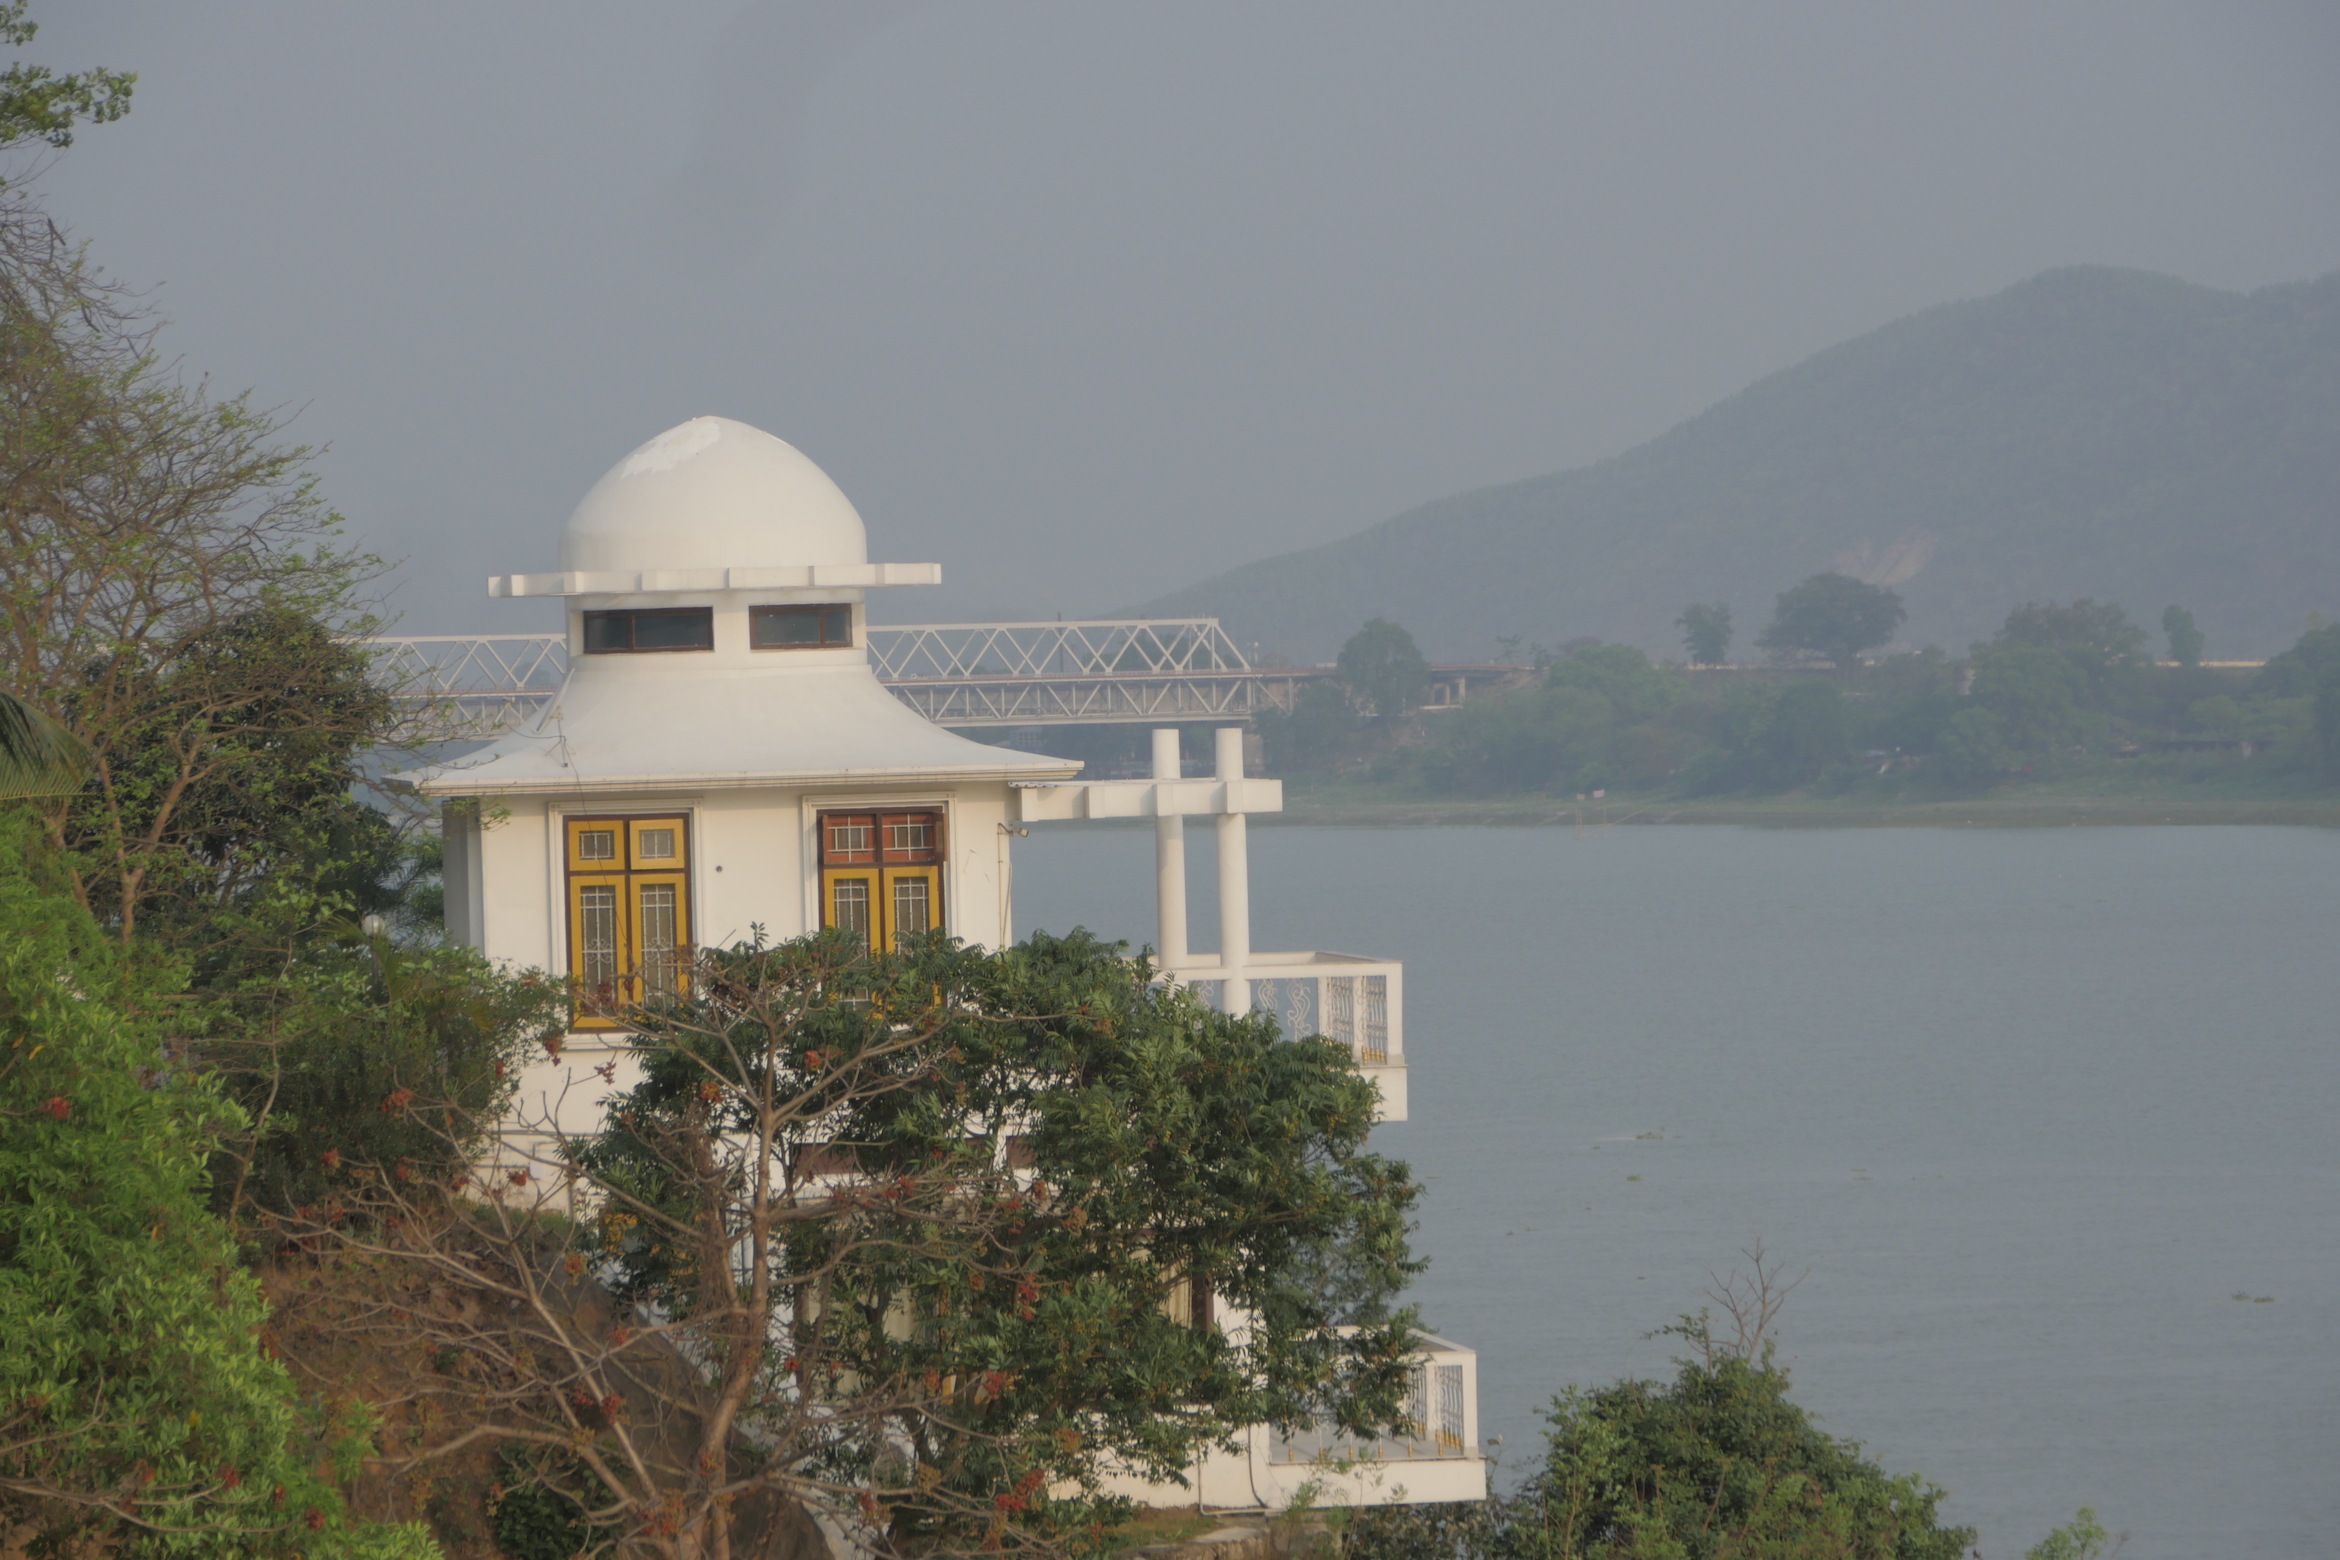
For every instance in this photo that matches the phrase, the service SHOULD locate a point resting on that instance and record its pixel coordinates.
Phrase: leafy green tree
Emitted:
(1384, 670)
(1835, 617)
(2185, 640)
(2097, 638)
(136, 1400)
(1717, 1464)
(1706, 632)
(2300, 670)
(1972, 748)
(39, 106)
(353, 1047)
(1809, 728)
(941, 1226)
(2083, 1538)
(1316, 734)
(2037, 694)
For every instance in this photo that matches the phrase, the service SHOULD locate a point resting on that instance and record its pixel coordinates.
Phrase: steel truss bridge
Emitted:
(1098, 672)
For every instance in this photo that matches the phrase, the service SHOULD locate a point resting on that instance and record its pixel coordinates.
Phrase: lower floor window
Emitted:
(881, 874)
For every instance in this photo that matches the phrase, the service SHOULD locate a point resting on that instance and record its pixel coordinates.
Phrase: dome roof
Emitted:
(713, 494)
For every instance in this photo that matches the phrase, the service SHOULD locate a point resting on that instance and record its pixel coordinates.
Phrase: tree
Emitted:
(1716, 1465)
(2185, 640)
(39, 106)
(137, 1401)
(919, 1240)
(1316, 734)
(1972, 748)
(1809, 728)
(2037, 695)
(1706, 632)
(1833, 616)
(171, 590)
(1383, 670)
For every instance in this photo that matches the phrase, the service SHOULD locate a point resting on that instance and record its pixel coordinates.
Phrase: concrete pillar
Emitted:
(1234, 882)
(1169, 863)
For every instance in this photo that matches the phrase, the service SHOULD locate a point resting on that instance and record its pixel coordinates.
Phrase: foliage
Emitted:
(934, 1224)
(532, 1517)
(2185, 640)
(39, 106)
(1834, 617)
(354, 1047)
(1809, 728)
(38, 757)
(1706, 632)
(1383, 670)
(1316, 734)
(171, 591)
(2083, 1538)
(136, 1399)
(1717, 1464)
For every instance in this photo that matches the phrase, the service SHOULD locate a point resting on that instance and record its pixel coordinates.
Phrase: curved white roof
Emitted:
(687, 721)
(713, 494)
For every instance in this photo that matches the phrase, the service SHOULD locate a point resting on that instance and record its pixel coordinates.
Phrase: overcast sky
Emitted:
(1085, 301)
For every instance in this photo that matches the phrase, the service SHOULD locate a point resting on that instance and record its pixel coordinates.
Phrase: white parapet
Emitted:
(1211, 798)
(1437, 1457)
(1357, 1001)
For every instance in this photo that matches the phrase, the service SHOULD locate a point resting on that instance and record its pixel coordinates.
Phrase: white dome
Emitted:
(713, 494)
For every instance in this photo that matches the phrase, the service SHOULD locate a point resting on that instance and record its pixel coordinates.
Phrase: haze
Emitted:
(1087, 302)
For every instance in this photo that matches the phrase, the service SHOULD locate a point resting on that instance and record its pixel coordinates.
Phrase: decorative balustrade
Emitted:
(1441, 1411)
(1357, 1001)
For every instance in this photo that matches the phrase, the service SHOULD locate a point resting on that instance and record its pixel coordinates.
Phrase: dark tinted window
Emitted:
(822, 627)
(665, 628)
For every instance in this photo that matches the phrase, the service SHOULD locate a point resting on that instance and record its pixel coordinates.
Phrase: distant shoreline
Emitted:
(1809, 812)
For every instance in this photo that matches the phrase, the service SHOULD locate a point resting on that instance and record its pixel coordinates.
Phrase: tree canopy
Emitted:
(136, 1395)
(1706, 632)
(1835, 617)
(37, 105)
(1383, 670)
(941, 1227)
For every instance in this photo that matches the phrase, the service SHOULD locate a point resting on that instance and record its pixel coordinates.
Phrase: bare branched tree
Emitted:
(172, 590)
(1751, 1301)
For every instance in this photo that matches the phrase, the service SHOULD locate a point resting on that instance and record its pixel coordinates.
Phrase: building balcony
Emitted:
(1356, 1001)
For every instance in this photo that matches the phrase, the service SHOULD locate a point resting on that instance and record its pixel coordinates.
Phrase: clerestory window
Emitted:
(649, 629)
(825, 626)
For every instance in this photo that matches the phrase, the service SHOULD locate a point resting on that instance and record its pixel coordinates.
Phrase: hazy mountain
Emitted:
(2091, 432)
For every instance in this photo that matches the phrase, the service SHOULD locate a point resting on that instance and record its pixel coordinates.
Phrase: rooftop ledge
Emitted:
(810, 576)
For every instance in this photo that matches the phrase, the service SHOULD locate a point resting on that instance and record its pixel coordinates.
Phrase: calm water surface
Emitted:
(2032, 1106)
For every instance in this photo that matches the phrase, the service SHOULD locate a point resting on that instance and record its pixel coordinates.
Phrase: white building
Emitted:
(721, 758)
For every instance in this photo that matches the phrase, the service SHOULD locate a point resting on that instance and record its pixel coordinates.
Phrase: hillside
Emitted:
(2090, 432)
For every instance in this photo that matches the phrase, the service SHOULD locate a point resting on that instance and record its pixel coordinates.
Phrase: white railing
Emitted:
(1441, 1418)
(1356, 1001)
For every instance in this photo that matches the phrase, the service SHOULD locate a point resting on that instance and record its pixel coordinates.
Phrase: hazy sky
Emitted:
(1085, 300)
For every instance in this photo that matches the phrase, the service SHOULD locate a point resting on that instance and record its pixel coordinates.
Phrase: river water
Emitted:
(2052, 1117)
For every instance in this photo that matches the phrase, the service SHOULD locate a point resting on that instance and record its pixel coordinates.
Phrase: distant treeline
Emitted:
(2058, 692)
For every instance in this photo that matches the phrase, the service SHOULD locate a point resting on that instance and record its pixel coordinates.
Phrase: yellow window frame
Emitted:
(611, 852)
